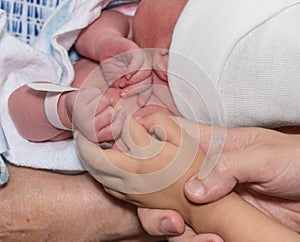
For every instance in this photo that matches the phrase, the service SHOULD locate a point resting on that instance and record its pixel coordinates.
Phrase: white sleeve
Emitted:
(237, 62)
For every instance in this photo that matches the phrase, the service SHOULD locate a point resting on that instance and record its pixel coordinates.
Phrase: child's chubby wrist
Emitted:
(64, 112)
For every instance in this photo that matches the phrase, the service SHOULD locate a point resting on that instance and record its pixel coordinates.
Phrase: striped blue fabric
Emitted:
(25, 18)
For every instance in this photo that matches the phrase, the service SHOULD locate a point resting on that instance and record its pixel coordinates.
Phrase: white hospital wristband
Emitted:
(51, 110)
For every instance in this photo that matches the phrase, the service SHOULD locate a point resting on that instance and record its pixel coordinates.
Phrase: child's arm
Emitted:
(87, 109)
(108, 40)
(231, 217)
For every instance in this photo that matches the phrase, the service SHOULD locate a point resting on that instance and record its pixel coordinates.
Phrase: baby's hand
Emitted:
(125, 66)
(93, 115)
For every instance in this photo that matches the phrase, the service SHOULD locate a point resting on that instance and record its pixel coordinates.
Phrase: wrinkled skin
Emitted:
(63, 211)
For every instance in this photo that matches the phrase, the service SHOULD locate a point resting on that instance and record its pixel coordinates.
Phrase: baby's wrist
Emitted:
(64, 113)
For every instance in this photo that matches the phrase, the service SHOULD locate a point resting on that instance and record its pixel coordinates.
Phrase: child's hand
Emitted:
(152, 174)
(125, 66)
(92, 114)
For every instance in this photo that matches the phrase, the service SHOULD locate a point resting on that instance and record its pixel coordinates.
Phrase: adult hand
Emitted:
(94, 155)
(170, 224)
(263, 167)
(259, 159)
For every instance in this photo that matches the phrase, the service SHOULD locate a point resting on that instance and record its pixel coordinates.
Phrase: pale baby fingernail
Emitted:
(168, 227)
(123, 93)
(195, 188)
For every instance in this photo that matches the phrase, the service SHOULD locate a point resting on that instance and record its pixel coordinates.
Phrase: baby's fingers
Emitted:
(144, 97)
(137, 88)
(93, 95)
(113, 129)
(135, 136)
(137, 61)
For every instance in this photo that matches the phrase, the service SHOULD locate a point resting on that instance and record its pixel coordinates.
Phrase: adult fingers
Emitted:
(102, 163)
(191, 236)
(112, 129)
(135, 132)
(243, 166)
(134, 135)
(163, 127)
(94, 98)
(161, 222)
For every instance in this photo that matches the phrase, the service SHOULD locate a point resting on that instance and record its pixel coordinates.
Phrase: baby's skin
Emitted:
(97, 109)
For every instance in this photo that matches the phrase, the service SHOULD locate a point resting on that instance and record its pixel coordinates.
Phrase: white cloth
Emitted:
(46, 60)
(238, 62)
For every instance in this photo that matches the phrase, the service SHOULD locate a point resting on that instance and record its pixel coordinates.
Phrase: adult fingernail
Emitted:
(168, 227)
(195, 188)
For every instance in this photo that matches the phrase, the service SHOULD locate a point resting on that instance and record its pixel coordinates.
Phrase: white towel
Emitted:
(238, 62)
(47, 60)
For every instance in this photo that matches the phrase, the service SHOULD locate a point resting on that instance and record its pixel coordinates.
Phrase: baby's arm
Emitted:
(26, 108)
(108, 40)
(231, 217)
(31, 121)
(97, 40)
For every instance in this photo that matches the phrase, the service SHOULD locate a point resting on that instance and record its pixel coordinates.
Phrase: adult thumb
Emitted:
(231, 168)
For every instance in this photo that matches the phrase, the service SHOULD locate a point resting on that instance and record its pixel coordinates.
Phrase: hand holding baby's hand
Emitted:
(93, 115)
(125, 66)
(153, 171)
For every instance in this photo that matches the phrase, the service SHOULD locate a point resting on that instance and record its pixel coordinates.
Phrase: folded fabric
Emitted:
(237, 62)
(46, 60)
